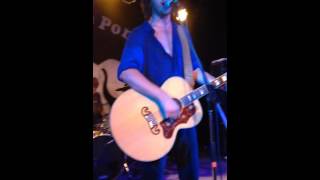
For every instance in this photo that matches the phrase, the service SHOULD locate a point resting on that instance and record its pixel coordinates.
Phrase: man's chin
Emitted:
(165, 13)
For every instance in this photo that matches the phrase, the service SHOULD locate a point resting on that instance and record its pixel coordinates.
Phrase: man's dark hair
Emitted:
(146, 8)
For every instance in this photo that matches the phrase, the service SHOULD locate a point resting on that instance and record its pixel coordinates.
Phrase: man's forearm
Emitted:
(141, 84)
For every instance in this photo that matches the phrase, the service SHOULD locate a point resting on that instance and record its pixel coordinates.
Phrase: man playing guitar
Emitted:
(153, 54)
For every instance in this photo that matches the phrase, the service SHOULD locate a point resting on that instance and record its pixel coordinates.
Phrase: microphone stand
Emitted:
(213, 113)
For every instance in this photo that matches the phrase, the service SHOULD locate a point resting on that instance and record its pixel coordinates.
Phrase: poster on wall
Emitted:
(113, 20)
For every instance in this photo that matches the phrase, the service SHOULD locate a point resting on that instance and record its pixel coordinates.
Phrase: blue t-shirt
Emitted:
(145, 53)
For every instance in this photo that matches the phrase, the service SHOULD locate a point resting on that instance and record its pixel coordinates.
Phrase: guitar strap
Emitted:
(187, 64)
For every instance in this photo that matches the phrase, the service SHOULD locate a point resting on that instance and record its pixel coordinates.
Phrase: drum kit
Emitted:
(109, 162)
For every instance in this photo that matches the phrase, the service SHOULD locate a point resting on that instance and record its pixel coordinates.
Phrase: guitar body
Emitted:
(138, 127)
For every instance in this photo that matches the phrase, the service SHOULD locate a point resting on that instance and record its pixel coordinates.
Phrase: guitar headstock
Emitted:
(220, 81)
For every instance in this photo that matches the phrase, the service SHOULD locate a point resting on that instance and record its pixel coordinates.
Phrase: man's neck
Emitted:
(160, 22)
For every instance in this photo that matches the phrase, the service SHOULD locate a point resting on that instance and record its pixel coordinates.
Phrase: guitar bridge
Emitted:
(152, 122)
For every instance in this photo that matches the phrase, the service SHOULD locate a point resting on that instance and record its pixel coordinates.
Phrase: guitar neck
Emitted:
(202, 90)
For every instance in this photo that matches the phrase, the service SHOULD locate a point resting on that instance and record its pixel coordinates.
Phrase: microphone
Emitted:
(167, 4)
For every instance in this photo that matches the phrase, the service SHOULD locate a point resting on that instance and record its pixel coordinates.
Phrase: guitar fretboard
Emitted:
(202, 91)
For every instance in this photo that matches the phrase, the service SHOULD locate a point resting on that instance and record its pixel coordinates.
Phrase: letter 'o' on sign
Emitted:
(115, 29)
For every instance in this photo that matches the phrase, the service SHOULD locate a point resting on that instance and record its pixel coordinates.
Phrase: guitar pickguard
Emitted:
(168, 127)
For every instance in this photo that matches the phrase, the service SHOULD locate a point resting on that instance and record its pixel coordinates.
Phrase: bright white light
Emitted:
(224, 78)
(182, 15)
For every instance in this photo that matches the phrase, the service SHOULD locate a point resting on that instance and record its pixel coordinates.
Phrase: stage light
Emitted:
(224, 78)
(182, 15)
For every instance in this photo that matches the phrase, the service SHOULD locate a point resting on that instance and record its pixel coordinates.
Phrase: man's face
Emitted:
(159, 7)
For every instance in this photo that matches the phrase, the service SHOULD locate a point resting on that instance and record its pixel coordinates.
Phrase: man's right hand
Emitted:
(171, 107)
